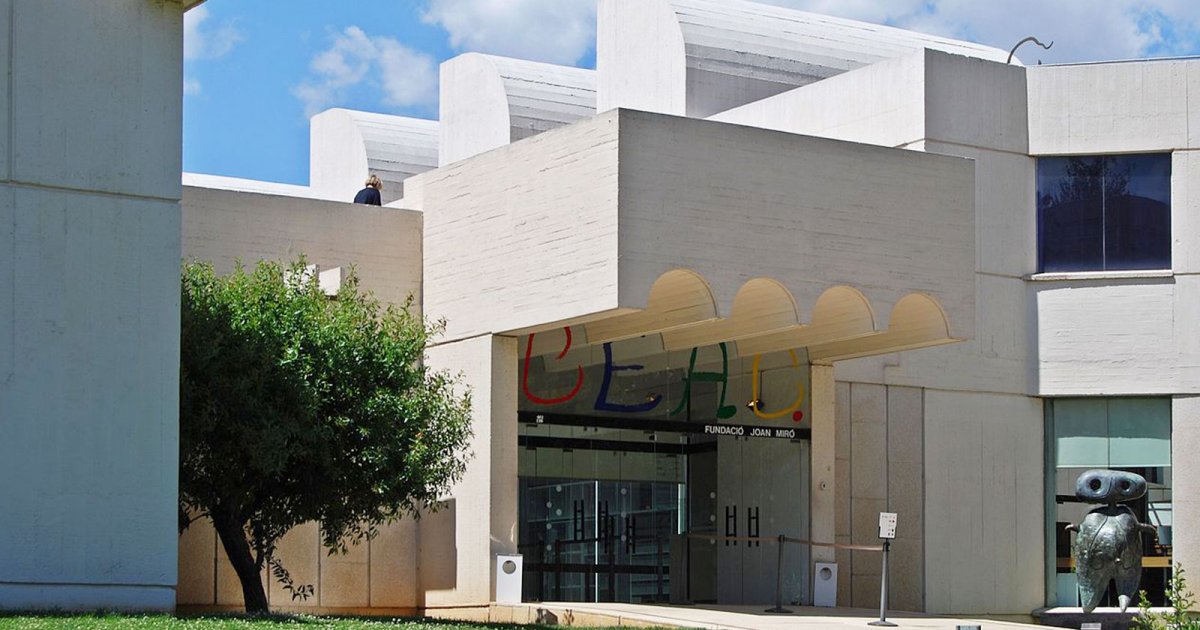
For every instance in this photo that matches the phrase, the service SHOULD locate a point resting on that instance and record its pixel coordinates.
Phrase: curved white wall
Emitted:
(348, 145)
(700, 57)
(489, 101)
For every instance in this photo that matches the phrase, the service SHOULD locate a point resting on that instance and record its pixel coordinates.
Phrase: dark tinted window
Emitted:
(1104, 212)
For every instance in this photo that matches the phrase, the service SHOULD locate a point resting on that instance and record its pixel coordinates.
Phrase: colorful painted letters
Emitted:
(602, 403)
(723, 411)
(525, 375)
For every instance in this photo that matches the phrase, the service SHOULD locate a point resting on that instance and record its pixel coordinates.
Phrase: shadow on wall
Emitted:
(439, 548)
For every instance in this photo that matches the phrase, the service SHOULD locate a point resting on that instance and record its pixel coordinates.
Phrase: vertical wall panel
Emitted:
(983, 505)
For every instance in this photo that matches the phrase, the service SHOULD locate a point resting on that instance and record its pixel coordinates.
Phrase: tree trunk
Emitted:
(233, 539)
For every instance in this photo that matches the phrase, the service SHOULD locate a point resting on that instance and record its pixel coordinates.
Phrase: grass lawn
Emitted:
(297, 622)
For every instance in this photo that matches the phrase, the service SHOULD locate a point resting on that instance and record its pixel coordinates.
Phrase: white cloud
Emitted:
(1082, 30)
(203, 40)
(207, 41)
(555, 31)
(407, 77)
(563, 31)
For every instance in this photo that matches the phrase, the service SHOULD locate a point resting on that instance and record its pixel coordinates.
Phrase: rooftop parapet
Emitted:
(489, 101)
(699, 57)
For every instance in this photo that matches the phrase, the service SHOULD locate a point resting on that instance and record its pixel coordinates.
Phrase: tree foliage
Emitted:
(295, 407)
(1178, 616)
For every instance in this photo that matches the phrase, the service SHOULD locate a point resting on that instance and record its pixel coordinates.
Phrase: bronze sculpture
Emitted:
(1109, 541)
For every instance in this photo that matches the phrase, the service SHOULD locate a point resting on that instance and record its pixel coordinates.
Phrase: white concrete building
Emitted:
(90, 135)
(760, 273)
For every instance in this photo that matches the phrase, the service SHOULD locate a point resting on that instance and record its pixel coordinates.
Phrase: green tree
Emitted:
(295, 407)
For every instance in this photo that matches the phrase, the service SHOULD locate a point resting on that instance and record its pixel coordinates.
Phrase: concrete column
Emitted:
(459, 543)
(824, 436)
(90, 150)
(1185, 442)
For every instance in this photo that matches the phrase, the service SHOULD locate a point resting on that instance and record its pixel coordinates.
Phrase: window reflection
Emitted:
(1104, 212)
(1129, 434)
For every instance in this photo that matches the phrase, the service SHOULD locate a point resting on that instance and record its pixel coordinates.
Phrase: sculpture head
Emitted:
(1109, 486)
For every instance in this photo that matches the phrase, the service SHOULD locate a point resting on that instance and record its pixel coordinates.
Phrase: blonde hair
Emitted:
(374, 182)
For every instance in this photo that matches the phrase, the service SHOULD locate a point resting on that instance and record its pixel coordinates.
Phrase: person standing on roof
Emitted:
(370, 194)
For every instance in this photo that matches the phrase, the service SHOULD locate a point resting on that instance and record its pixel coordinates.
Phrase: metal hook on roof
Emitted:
(1027, 39)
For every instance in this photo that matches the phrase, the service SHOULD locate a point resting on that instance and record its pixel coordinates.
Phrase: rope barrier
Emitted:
(775, 539)
(781, 539)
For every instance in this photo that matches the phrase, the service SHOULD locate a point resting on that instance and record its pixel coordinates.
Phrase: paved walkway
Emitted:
(737, 617)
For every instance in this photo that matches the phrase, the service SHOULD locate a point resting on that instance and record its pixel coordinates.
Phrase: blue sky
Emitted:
(254, 70)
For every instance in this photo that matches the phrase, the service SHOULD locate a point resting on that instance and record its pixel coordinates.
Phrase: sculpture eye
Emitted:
(1109, 486)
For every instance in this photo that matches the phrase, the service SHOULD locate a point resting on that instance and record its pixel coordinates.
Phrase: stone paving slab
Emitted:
(741, 617)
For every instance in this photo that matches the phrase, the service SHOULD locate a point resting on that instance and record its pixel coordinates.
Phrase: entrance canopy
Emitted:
(632, 224)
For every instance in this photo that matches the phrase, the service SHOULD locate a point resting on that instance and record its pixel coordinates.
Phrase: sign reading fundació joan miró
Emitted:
(739, 430)
(703, 383)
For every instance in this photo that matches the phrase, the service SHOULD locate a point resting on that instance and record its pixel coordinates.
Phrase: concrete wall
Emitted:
(383, 244)
(1118, 336)
(90, 131)
(881, 104)
(378, 577)
(733, 203)
(489, 101)
(955, 105)
(1121, 333)
(1185, 440)
(1074, 334)
(1129, 107)
(981, 515)
(700, 57)
(983, 503)
(1104, 334)
(880, 468)
(523, 234)
(459, 543)
(544, 217)
(347, 145)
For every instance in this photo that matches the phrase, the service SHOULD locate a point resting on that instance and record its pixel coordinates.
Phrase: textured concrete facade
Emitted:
(89, 303)
(700, 57)
(459, 543)
(630, 223)
(755, 176)
(880, 458)
(619, 247)
(346, 146)
(225, 227)
(489, 102)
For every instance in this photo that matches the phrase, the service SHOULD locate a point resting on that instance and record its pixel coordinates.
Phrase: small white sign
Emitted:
(887, 525)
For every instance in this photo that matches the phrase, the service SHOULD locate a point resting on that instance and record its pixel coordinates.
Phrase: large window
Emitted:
(1104, 212)
(1131, 434)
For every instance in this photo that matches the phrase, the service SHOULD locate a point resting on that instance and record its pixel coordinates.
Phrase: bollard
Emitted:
(779, 581)
(883, 589)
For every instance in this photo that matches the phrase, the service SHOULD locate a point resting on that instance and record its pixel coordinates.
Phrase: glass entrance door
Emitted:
(635, 462)
(748, 487)
(600, 507)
